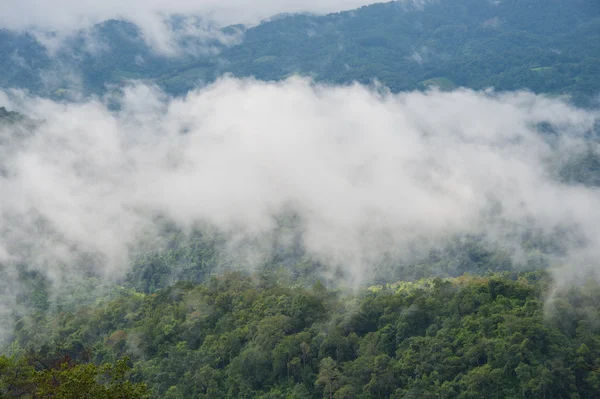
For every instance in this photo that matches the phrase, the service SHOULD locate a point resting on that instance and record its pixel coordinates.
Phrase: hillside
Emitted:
(285, 233)
(242, 337)
(545, 46)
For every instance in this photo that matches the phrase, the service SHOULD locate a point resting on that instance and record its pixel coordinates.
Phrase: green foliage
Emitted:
(191, 258)
(34, 378)
(329, 376)
(195, 328)
(240, 336)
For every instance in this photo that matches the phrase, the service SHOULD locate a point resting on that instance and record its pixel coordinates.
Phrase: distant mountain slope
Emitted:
(86, 62)
(548, 46)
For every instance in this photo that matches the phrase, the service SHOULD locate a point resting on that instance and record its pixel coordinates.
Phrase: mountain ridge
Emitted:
(448, 43)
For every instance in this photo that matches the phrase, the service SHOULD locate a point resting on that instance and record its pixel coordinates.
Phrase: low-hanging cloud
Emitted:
(368, 172)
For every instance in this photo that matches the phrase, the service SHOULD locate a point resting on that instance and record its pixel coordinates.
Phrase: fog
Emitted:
(368, 172)
(63, 17)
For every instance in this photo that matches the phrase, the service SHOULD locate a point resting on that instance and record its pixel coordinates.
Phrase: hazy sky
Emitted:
(57, 14)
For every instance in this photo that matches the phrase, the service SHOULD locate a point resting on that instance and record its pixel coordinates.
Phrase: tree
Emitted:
(329, 376)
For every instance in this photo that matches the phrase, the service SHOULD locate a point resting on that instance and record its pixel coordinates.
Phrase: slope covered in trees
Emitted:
(240, 336)
(543, 46)
(189, 320)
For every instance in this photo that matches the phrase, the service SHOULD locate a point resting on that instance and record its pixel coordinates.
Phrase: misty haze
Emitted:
(334, 199)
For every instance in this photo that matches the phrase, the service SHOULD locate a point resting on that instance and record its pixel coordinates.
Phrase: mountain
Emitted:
(545, 46)
(206, 311)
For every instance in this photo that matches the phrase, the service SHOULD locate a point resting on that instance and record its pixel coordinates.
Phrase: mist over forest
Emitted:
(300, 199)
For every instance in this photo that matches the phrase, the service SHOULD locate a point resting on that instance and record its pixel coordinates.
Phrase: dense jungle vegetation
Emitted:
(242, 336)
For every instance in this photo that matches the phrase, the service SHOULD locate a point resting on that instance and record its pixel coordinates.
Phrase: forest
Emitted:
(193, 315)
(186, 322)
(252, 336)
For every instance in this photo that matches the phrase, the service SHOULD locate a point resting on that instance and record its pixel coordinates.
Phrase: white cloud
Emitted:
(65, 16)
(368, 172)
